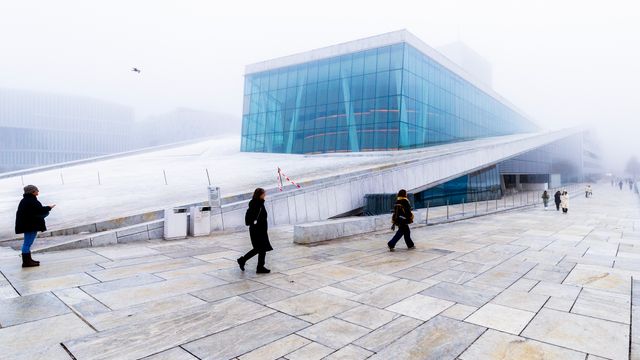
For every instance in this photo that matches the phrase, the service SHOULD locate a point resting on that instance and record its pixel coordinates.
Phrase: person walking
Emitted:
(256, 219)
(620, 184)
(29, 220)
(588, 191)
(402, 217)
(564, 202)
(557, 199)
(545, 199)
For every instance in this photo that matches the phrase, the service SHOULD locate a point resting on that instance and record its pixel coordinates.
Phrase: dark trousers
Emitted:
(558, 206)
(254, 252)
(402, 230)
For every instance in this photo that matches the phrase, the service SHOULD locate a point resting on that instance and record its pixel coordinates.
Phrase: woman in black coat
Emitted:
(29, 220)
(256, 219)
(557, 199)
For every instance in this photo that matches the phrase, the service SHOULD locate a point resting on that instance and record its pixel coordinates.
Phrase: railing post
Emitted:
(427, 219)
(463, 207)
(447, 209)
(475, 211)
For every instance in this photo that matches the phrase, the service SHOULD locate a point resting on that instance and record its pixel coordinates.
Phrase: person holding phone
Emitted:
(29, 220)
(256, 219)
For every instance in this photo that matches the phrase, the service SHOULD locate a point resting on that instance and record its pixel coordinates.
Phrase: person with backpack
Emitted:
(556, 198)
(256, 219)
(402, 217)
(29, 220)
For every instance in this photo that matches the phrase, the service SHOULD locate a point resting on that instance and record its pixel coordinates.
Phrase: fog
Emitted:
(565, 63)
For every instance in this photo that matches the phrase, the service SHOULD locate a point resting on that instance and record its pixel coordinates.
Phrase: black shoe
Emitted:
(263, 270)
(391, 249)
(411, 247)
(241, 262)
(28, 262)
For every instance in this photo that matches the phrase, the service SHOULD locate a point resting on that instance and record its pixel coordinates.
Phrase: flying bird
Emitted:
(135, 69)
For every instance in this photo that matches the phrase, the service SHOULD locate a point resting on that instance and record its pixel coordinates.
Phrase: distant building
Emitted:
(39, 128)
(183, 124)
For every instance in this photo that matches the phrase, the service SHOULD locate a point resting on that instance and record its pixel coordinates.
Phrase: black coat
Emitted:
(258, 231)
(30, 215)
(556, 197)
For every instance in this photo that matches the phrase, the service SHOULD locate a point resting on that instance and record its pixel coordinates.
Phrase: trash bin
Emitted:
(200, 221)
(175, 223)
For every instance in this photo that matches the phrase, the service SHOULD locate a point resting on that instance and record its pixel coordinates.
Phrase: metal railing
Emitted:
(469, 209)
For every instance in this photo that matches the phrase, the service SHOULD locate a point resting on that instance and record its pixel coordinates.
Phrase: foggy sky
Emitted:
(564, 63)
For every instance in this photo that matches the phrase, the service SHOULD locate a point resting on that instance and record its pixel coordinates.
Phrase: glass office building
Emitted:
(363, 97)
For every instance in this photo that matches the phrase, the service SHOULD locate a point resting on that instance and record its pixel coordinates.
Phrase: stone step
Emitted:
(139, 232)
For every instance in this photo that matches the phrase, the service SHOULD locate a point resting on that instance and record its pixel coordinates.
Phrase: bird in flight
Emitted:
(135, 69)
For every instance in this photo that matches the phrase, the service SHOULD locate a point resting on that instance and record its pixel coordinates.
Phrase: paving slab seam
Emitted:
(76, 313)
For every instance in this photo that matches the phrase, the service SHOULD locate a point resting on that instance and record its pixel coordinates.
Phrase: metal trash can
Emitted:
(175, 223)
(200, 220)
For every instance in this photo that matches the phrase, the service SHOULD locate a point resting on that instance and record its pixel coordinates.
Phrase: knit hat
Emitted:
(30, 189)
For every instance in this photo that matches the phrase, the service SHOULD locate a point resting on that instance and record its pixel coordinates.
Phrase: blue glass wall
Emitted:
(388, 98)
(477, 186)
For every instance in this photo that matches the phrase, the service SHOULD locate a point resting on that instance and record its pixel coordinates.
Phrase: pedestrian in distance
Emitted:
(564, 202)
(545, 199)
(402, 217)
(557, 199)
(29, 220)
(620, 184)
(588, 191)
(256, 219)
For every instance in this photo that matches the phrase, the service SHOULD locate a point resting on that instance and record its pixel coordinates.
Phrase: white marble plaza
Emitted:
(525, 284)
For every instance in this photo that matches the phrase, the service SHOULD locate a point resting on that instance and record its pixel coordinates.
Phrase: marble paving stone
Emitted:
(420, 307)
(581, 333)
(73, 296)
(37, 336)
(438, 338)
(28, 308)
(492, 254)
(133, 281)
(368, 316)
(312, 351)
(140, 340)
(550, 276)
(603, 305)
(459, 311)
(501, 318)
(365, 282)
(43, 351)
(523, 285)
(520, 300)
(53, 283)
(415, 273)
(563, 291)
(158, 266)
(125, 251)
(453, 276)
(598, 277)
(391, 293)
(122, 298)
(459, 293)
(497, 345)
(379, 339)
(229, 254)
(334, 333)
(337, 292)
(198, 269)
(143, 312)
(559, 304)
(314, 306)
(58, 269)
(298, 283)
(268, 295)
(276, 349)
(246, 337)
(176, 353)
(350, 352)
(7, 291)
(228, 290)
(132, 261)
(338, 272)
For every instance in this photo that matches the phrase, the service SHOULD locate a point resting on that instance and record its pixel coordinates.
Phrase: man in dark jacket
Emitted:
(29, 220)
(402, 217)
(557, 199)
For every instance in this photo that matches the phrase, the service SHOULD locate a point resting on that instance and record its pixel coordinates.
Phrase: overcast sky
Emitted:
(563, 62)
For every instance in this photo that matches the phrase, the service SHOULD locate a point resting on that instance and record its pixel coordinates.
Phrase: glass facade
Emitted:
(477, 186)
(386, 98)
